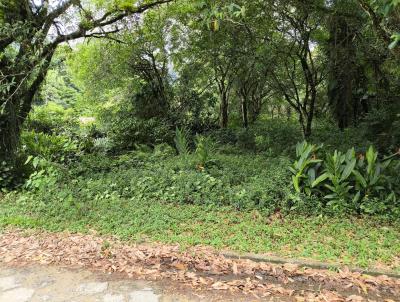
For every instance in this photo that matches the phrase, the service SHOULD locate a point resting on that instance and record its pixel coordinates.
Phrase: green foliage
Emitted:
(306, 167)
(44, 176)
(246, 140)
(102, 145)
(139, 196)
(52, 118)
(125, 132)
(347, 181)
(205, 150)
(164, 150)
(159, 175)
(181, 142)
(6, 175)
(49, 146)
(382, 128)
(58, 87)
(276, 137)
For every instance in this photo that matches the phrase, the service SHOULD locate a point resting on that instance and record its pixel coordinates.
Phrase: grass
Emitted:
(360, 242)
(162, 199)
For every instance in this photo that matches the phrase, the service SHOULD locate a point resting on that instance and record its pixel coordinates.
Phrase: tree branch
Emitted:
(376, 21)
(104, 21)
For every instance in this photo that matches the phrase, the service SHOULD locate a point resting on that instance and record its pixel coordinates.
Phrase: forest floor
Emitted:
(194, 274)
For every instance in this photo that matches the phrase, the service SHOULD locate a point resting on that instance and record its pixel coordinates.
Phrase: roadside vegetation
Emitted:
(185, 126)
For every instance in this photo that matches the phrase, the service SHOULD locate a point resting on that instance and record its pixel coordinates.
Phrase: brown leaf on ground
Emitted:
(198, 267)
(179, 266)
(234, 268)
(290, 267)
(354, 298)
(220, 286)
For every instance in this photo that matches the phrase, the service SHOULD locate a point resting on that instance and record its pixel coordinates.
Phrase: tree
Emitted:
(29, 35)
(385, 19)
(297, 71)
(342, 54)
(357, 58)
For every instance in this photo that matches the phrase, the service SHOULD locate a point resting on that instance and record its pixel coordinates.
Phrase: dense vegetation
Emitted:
(206, 122)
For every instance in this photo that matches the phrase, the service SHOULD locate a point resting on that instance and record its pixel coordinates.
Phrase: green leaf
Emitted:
(371, 159)
(360, 179)
(393, 44)
(320, 179)
(311, 174)
(28, 159)
(295, 180)
(348, 169)
(357, 197)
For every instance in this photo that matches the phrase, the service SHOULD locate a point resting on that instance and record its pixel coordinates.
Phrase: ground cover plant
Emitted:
(249, 126)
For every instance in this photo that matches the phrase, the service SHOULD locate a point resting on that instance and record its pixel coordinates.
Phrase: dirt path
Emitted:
(195, 274)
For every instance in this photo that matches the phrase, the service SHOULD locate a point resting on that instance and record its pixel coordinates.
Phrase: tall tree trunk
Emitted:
(254, 108)
(17, 105)
(224, 110)
(308, 127)
(310, 114)
(9, 134)
(342, 69)
(303, 123)
(245, 114)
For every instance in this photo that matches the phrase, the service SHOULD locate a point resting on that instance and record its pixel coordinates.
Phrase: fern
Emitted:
(205, 148)
(181, 142)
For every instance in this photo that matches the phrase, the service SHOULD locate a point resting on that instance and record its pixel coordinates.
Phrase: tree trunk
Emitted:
(307, 131)
(245, 115)
(310, 114)
(288, 112)
(9, 134)
(224, 110)
(254, 108)
(342, 69)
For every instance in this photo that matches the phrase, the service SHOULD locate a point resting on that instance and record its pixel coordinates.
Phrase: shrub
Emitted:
(164, 151)
(382, 127)
(348, 182)
(224, 136)
(181, 142)
(102, 145)
(276, 137)
(51, 118)
(326, 131)
(242, 181)
(44, 176)
(246, 140)
(49, 146)
(205, 149)
(127, 131)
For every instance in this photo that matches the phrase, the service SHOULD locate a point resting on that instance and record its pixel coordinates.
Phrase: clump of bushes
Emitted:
(125, 133)
(52, 118)
(58, 148)
(348, 182)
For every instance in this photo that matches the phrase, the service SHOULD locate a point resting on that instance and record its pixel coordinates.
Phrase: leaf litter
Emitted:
(200, 268)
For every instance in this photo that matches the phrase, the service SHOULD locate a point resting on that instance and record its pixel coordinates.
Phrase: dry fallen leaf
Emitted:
(290, 267)
(234, 268)
(154, 262)
(355, 298)
(179, 266)
(220, 286)
(362, 286)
